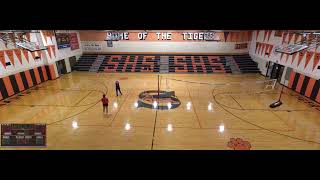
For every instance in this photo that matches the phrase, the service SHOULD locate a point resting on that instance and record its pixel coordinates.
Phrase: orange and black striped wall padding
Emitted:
(305, 85)
(50, 72)
(16, 83)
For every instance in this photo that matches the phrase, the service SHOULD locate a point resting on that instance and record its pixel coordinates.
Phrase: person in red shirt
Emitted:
(105, 103)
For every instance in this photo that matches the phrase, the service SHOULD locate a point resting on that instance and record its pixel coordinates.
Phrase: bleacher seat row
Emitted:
(85, 62)
(184, 64)
(202, 64)
(131, 64)
(246, 64)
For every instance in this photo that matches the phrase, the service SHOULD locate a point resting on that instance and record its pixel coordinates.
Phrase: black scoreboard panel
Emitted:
(23, 135)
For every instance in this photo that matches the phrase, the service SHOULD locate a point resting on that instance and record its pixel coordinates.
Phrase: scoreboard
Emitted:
(23, 135)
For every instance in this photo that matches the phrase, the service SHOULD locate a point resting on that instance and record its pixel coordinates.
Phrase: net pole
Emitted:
(158, 86)
(158, 90)
(281, 93)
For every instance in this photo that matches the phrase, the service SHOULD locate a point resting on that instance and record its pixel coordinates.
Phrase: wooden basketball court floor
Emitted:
(71, 108)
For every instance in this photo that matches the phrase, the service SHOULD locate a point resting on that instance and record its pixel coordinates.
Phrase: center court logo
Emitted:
(165, 100)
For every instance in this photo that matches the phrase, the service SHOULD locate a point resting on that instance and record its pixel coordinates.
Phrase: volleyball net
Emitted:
(242, 87)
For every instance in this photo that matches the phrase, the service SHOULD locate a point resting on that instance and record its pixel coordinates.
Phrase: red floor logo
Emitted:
(239, 144)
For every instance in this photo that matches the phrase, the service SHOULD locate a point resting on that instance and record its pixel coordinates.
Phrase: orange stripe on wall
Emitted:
(300, 82)
(52, 73)
(36, 73)
(19, 82)
(28, 76)
(44, 72)
(291, 79)
(310, 87)
(8, 85)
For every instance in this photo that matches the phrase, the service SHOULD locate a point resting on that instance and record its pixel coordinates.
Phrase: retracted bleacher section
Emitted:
(131, 63)
(198, 64)
(85, 62)
(246, 64)
(175, 63)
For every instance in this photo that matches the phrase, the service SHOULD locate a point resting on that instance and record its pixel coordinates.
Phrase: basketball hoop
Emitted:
(30, 46)
(18, 39)
(310, 40)
(275, 51)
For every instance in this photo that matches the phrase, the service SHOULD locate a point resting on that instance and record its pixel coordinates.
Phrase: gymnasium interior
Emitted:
(180, 89)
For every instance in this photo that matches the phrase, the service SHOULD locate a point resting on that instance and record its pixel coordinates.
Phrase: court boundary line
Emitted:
(119, 109)
(46, 89)
(49, 105)
(163, 127)
(218, 94)
(266, 129)
(83, 98)
(154, 129)
(218, 84)
(193, 107)
(198, 128)
(72, 115)
(283, 120)
(236, 102)
(106, 92)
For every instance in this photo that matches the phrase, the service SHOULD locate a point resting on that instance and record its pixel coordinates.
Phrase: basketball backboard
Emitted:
(18, 39)
(309, 40)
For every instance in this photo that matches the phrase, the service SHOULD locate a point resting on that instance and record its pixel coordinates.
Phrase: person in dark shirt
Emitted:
(118, 88)
(105, 103)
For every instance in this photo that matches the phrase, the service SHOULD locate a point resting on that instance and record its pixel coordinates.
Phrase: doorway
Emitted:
(269, 66)
(61, 67)
(72, 61)
(276, 72)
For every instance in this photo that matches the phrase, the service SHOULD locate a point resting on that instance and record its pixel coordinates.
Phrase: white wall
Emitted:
(45, 60)
(275, 57)
(68, 67)
(18, 67)
(65, 52)
(163, 47)
(283, 80)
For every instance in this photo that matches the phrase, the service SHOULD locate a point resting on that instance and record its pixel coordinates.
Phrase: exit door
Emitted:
(277, 71)
(61, 67)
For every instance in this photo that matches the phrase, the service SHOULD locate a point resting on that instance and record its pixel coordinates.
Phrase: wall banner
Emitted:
(63, 40)
(74, 43)
(163, 36)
